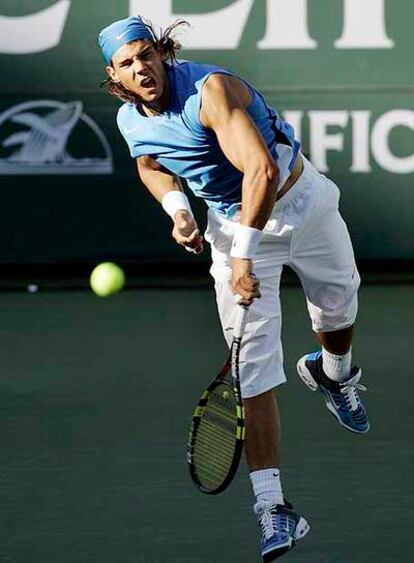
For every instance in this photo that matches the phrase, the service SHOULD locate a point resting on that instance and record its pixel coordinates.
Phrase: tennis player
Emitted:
(267, 207)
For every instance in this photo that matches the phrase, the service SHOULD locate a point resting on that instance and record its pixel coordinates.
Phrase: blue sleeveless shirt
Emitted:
(178, 141)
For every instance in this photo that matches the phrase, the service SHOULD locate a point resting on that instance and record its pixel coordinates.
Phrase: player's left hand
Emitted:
(186, 232)
(244, 282)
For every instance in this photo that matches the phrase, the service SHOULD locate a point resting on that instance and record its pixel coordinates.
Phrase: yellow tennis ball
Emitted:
(107, 279)
(226, 395)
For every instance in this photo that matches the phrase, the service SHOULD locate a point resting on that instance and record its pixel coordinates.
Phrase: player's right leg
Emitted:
(261, 370)
(281, 527)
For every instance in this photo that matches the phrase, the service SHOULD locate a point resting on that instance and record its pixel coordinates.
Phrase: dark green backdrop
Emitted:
(364, 94)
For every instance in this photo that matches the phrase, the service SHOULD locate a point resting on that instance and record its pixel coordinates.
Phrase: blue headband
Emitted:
(121, 32)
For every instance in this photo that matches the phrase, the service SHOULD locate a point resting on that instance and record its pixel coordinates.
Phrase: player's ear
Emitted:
(112, 73)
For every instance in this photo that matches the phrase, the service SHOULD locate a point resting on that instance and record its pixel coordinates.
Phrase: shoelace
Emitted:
(272, 522)
(348, 391)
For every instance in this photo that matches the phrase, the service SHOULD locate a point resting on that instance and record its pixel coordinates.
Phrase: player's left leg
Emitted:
(323, 257)
(332, 375)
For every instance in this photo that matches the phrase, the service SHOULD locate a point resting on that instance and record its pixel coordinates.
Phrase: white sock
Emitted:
(337, 368)
(267, 486)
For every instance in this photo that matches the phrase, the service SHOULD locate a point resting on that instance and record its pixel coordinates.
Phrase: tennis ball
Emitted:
(106, 279)
(226, 395)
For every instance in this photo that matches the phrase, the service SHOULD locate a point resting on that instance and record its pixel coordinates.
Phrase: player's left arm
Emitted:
(224, 102)
(223, 110)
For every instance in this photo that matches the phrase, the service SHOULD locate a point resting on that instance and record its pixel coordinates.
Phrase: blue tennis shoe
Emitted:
(342, 399)
(281, 528)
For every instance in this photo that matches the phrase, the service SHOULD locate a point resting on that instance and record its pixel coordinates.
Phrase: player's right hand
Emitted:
(187, 233)
(244, 283)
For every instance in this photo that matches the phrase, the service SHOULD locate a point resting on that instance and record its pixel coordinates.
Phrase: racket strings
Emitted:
(216, 437)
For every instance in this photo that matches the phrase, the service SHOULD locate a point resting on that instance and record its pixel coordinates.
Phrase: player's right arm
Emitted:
(162, 185)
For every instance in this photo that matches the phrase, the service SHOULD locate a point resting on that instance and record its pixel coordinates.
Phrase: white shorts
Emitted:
(306, 232)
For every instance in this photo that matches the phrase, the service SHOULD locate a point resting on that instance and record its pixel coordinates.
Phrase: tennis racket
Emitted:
(217, 430)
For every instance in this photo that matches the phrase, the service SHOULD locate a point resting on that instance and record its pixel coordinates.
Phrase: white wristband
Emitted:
(245, 242)
(175, 201)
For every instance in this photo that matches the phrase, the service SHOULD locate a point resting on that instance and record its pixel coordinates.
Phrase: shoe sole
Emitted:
(302, 529)
(306, 376)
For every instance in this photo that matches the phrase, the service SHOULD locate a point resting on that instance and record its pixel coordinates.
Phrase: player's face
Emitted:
(138, 66)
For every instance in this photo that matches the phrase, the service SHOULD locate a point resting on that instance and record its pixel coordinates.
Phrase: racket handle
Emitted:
(240, 321)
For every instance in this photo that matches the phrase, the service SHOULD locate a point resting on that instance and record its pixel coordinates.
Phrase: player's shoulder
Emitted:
(124, 112)
(186, 65)
(227, 89)
(221, 81)
(127, 114)
(194, 71)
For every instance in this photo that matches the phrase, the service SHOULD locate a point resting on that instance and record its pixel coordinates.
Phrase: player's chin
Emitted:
(150, 95)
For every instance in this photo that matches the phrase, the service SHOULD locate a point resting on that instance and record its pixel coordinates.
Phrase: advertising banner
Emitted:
(339, 70)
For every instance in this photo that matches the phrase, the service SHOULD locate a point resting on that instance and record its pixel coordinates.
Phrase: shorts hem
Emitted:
(317, 330)
(266, 386)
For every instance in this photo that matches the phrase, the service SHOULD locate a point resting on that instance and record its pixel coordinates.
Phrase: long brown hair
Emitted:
(165, 43)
